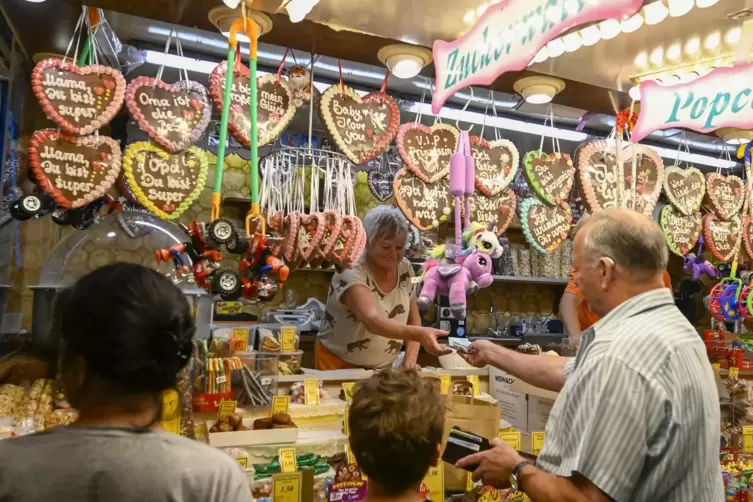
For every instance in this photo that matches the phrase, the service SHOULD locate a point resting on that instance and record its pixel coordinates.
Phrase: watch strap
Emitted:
(516, 471)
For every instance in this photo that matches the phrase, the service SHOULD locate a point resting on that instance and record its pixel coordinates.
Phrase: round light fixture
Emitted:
(610, 29)
(590, 35)
(223, 17)
(299, 9)
(733, 36)
(635, 93)
(735, 136)
(35, 1)
(540, 89)
(679, 8)
(556, 48)
(655, 12)
(232, 3)
(713, 43)
(705, 3)
(693, 48)
(674, 53)
(632, 24)
(641, 60)
(403, 60)
(657, 56)
(572, 42)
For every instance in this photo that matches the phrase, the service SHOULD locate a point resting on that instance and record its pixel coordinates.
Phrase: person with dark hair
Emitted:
(125, 332)
(396, 422)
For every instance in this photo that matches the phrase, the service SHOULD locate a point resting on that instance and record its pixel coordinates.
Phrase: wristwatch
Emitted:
(514, 481)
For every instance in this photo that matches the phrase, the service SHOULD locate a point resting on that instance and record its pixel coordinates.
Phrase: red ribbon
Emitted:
(340, 68)
(282, 67)
(626, 118)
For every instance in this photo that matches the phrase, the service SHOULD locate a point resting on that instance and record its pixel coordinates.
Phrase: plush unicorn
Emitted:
(698, 264)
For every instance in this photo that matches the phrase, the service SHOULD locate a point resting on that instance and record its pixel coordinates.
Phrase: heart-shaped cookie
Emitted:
(332, 224)
(721, 236)
(685, 188)
(74, 170)
(164, 183)
(725, 194)
(275, 104)
(380, 184)
(362, 128)
(545, 228)
(290, 232)
(682, 232)
(598, 175)
(345, 241)
(498, 210)
(748, 235)
(426, 151)
(310, 234)
(424, 204)
(172, 115)
(550, 175)
(496, 164)
(359, 244)
(80, 99)
(649, 169)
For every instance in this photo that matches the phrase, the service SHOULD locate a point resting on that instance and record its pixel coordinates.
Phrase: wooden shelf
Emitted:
(531, 280)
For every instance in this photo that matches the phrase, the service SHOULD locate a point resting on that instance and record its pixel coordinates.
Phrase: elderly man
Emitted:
(637, 418)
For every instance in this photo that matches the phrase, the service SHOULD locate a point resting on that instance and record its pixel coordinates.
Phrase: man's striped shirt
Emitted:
(639, 413)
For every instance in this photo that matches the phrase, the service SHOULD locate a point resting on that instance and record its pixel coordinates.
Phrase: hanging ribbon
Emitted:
(383, 90)
(282, 67)
(340, 69)
(626, 119)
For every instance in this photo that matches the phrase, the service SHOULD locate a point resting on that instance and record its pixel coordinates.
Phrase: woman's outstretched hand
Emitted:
(428, 338)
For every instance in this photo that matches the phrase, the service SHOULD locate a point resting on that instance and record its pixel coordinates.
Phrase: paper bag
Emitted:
(473, 415)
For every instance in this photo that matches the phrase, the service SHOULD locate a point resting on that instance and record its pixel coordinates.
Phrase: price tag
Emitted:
(716, 367)
(170, 419)
(444, 384)
(511, 438)
(433, 483)
(221, 379)
(734, 372)
(288, 461)
(287, 487)
(228, 308)
(346, 422)
(226, 409)
(311, 391)
(473, 379)
(469, 483)
(537, 441)
(348, 391)
(280, 404)
(287, 338)
(243, 462)
(747, 438)
(241, 334)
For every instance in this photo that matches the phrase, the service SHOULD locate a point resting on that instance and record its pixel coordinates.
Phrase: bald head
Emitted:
(634, 242)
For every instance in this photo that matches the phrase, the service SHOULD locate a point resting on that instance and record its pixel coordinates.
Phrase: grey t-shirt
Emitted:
(113, 464)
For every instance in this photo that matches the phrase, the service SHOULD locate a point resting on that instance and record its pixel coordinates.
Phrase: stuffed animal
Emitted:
(456, 281)
(482, 239)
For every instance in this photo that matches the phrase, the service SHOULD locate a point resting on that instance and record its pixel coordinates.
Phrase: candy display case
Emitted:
(126, 236)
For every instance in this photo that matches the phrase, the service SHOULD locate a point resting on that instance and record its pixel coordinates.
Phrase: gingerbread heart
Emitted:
(172, 115)
(496, 164)
(649, 169)
(426, 151)
(497, 210)
(291, 237)
(345, 241)
(332, 225)
(164, 183)
(685, 188)
(275, 104)
(545, 228)
(362, 128)
(310, 234)
(748, 235)
(721, 236)
(79, 99)
(74, 170)
(380, 184)
(550, 175)
(424, 204)
(598, 175)
(359, 244)
(725, 194)
(682, 231)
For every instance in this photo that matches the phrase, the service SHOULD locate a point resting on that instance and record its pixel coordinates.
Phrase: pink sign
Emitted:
(722, 98)
(508, 36)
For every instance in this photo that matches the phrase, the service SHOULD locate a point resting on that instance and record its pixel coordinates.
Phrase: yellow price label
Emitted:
(444, 384)
(349, 455)
(280, 404)
(511, 438)
(348, 391)
(226, 409)
(287, 339)
(288, 461)
(242, 461)
(346, 422)
(473, 380)
(469, 482)
(734, 372)
(716, 367)
(170, 419)
(311, 391)
(433, 483)
(747, 438)
(287, 487)
(241, 334)
(228, 308)
(537, 441)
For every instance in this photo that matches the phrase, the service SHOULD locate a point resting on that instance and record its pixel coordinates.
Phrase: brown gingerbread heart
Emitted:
(424, 204)
(649, 169)
(598, 175)
(310, 234)
(682, 232)
(721, 236)
(345, 241)
(497, 210)
(550, 175)
(725, 194)
(426, 150)
(544, 227)
(685, 188)
(496, 164)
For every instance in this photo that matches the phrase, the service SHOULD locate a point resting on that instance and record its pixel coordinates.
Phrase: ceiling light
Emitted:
(674, 53)
(641, 60)
(299, 9)
(572, 42)
(610, 29)
(35, 1)
(705, 3)
(635, 93)
(556, 48)
(404, 61)
(469, 17)
(590, 35)
(542, 55)
(540, 89)
(655, 12)
(632, 24)
(679, 8)
(733, 36)
(693, 47)
(713, 43)
(223, 17)
(657, 56)
(232, 3)
(735, 136)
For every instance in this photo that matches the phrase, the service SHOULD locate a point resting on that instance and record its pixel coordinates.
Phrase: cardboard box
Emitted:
(251, 437)
(514, 405)
(539, 409)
